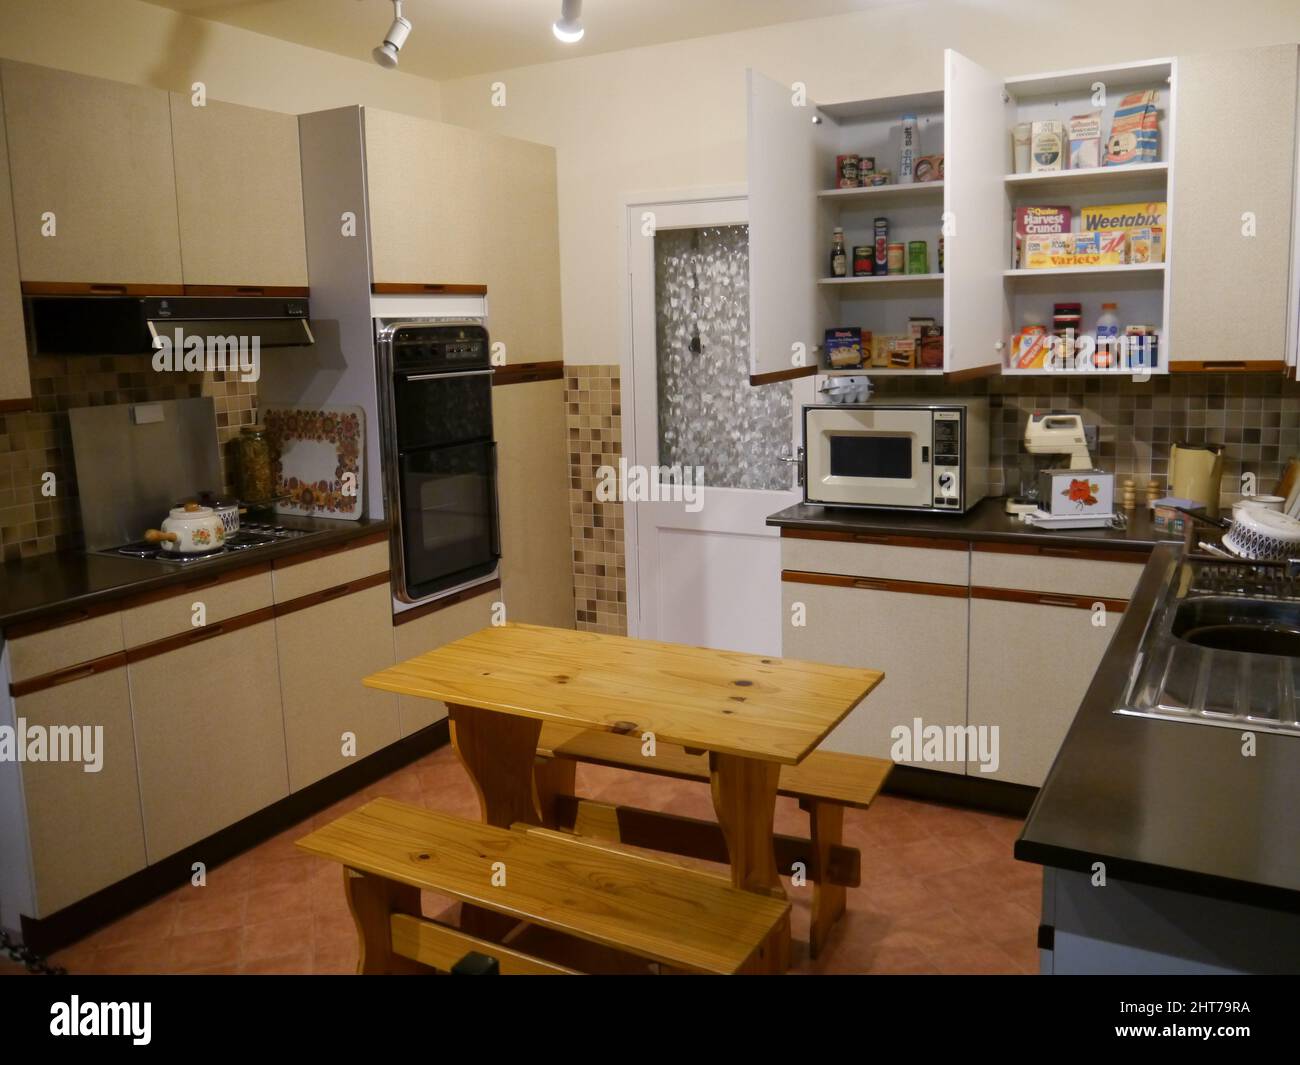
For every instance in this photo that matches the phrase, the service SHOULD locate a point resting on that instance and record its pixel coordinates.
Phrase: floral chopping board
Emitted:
(316, 459)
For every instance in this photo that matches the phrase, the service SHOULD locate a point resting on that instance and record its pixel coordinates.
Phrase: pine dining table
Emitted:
(751, 713)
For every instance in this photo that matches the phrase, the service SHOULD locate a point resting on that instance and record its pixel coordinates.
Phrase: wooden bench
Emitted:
(824, 783)
(682, 918)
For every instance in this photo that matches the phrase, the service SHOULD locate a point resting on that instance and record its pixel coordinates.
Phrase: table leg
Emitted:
(373, 900)
(744, 799)
(827, 821)
(497, 751)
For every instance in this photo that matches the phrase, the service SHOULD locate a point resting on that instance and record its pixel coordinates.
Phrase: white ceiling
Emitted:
(456, 38)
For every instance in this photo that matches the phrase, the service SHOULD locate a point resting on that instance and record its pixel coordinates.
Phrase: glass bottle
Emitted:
(256, 478)
(839, 260)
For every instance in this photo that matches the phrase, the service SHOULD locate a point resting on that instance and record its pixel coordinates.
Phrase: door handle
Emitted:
(442, 376)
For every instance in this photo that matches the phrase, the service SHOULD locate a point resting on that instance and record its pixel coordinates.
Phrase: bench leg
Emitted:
(373, 900)
(498, 751)
(555, 777)
(827, 822)
(744, 800)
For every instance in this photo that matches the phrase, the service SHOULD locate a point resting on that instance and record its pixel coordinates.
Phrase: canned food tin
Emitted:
(896, 258)
(846, 171)
(864, 256)
(882, 246)
(918, 257)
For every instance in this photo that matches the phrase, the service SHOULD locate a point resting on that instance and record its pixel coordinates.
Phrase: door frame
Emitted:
(631, 205)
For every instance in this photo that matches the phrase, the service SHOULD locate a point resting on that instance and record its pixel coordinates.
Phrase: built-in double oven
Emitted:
(440, 470)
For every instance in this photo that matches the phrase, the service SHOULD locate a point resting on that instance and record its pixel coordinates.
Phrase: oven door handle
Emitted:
(496, 506)
(441, 376)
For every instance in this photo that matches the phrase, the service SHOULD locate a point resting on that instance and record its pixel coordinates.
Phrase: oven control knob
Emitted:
(948, 482)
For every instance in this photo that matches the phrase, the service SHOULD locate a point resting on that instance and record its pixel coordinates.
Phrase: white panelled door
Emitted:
(705, 573)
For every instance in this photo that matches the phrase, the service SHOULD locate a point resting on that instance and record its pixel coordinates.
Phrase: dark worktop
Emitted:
(986, 521)
(1166, 803)
(48, 585)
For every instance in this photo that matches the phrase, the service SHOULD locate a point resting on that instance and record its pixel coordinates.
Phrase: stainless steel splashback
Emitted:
(137, 460)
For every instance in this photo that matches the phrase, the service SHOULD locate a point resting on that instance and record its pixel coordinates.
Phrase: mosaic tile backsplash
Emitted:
(39, 441)
(709, 415)
(1255, 417)
(593, 421)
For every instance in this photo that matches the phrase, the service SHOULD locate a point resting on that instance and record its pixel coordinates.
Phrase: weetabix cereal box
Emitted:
(1038, 222)
(1129, 216)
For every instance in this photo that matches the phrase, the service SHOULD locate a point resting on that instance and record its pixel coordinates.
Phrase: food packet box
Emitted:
(1101, 248)
(1044, 252)
(1085, 141)
(843, 348)
(1047, 146)
(881, 345)
(1146, 244)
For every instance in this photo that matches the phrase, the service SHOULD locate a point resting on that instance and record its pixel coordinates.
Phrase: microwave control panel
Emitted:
(946, 467)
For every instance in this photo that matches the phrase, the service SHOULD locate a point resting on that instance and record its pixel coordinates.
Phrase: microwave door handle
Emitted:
(925, 454)
(496, 506)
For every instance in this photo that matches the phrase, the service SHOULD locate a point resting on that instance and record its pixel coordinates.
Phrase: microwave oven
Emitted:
(897, 454)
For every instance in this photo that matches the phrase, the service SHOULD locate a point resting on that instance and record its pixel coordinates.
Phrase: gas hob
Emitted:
(250, 537)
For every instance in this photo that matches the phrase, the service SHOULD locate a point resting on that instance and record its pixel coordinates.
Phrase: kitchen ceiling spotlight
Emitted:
(386, 54)
(568, 27)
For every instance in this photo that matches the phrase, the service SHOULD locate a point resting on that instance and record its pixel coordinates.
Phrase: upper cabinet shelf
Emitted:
(1101, 179)
(875, 193)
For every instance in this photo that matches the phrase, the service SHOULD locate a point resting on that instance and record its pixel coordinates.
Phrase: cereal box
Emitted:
(1100, 248)
(1038, 222)
(1123, 216)
(1085, 140)
(1044, 252)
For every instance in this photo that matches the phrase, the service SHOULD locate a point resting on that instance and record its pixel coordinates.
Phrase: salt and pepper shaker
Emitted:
(1130, 494)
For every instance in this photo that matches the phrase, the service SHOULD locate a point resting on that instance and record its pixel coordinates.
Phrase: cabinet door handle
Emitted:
(335, 593)
(869, 583)
(80, 674)
(1047, 600)
(867, 538)
(206, 633)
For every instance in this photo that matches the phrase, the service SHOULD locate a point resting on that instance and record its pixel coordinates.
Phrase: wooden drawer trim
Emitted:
(875, 584)
(99, 288)
(58, 621)
(1084, 554)
(887, 539)
(463, 596)
(418, 288)
(527, 372)
(775, 376)
(12, 406)
(337, 592)
(1018, 595)
(283, 291)
(1227, 366)
(66, 676)
(376, 537)
(199, 635)
(175, 591)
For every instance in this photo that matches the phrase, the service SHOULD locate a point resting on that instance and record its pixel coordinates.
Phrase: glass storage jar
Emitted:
(256, 479)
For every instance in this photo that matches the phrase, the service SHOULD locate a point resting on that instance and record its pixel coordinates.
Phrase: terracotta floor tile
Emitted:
(978, 958)
(212, 913)
(203, 950)
(302, 961)
(335, 959)
(275, 939)
(278, 901)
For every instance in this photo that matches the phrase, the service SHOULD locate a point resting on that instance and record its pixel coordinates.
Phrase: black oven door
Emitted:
(450, 530)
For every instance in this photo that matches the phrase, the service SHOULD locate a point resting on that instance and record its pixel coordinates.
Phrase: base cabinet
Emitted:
(85, 828)
(209, 732)
(918, 640)
(330, 719)
(1030, 667)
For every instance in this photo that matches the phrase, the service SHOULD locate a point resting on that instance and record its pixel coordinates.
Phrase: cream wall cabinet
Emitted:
(85, 829)
(325, 650)
(15, 380)
(1030, 667)
(452, 205)
(239, 195)
(97, 156)
(1230, 240)
(918, 640)
(533, 488)
(210, 734)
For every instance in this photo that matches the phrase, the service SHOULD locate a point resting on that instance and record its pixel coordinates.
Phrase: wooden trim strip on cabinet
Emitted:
(1077, 602)
(876, 584)
(198, 635)
(171, 591)
(282, 291)
(425, 288)
(888, 539)
(59, 620)
(378, 536)
(67, 675)
(324, 596)
(99, 288)
(974, 373)
(1228, 366)
(527, 372)
(1136, 557)
(774, 376)
(462, 596)
(13, 406)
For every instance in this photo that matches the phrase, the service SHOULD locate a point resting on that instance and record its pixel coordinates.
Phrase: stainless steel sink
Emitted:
(1222, 647)
(1246, 626)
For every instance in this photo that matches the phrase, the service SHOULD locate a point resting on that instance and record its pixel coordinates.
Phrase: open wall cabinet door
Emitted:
(977, 219)
(791, 155)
